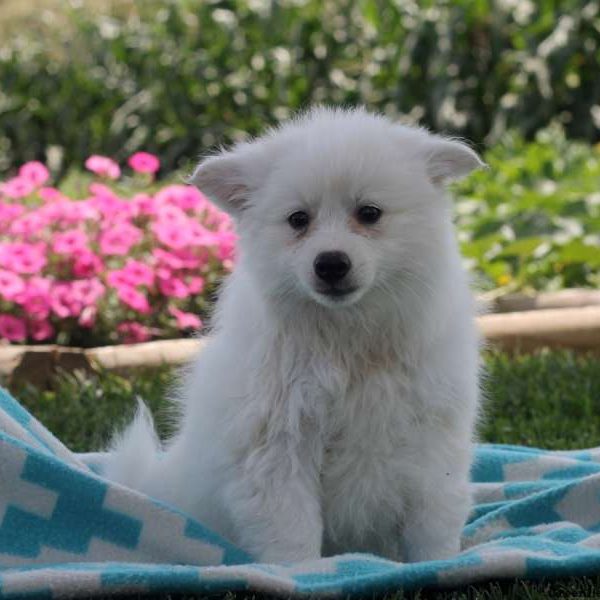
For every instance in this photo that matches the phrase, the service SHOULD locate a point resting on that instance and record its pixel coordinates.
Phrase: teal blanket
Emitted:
(65, 531)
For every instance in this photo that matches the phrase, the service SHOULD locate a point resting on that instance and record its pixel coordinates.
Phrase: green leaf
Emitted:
(577, 251)
(523, 247)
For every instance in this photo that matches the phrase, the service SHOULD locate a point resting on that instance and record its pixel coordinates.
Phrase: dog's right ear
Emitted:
(221, 178)
(229, 177)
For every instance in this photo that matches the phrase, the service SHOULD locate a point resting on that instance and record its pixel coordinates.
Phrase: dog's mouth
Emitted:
(337, 293)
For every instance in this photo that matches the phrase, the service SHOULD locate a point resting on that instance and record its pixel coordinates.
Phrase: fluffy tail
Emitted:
(133, 451)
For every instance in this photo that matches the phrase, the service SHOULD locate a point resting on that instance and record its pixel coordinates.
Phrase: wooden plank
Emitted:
(577, 328)
(572, 298)
(148, 354)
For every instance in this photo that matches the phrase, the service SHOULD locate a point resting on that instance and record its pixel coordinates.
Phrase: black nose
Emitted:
(332, 266)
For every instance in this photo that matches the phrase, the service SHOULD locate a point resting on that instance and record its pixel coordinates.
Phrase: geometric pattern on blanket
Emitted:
(66, 531)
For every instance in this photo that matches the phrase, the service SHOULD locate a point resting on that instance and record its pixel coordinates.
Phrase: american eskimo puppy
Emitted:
(333, 408)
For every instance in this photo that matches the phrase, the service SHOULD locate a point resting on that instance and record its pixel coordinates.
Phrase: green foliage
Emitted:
(532, 220)
(83, 411)
(174, 77)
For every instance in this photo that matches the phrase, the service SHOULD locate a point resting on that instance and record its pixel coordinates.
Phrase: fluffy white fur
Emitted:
(314, 425)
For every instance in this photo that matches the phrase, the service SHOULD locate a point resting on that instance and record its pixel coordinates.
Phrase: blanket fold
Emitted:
(65, 531)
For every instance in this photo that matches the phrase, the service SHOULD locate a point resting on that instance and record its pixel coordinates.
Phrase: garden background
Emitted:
(98, 247)
(175, 78)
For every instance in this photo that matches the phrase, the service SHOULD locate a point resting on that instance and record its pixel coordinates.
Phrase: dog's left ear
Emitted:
(448, 160)
(229, 177)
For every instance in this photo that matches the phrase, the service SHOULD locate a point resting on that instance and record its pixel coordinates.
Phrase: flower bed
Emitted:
(117, 265)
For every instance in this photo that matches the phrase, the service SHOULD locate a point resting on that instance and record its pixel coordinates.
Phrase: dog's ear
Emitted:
(221, 178)
(229, 177)
(448, 160)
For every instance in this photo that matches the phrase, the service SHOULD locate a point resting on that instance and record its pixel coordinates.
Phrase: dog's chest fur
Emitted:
(368, 441)
(353, 404)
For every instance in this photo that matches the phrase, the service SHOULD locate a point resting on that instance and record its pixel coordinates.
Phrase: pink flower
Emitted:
(188, 260)
(12, 328)
(59, 256)
(173, 287)
(87, 264)
(103, 166)
(163, 273)
(11, 285)
(195, 285)
(119, 239)
(29, 224)
(70, 242)
(167, 259)
(132, 274)
(87, 291)
(172, 215)
(117, 279)
(134, 299)
(77, 212)
(226, 245)
(41, 284)
(143, 162)
(36, 299)
(49, 194)
(145, 205)
(41, 330)
(133, 332)
(216, 218)
(101, 191)
(22, 257)
(17, 187)
(34, 172)
(173, 235)
(70, 299)
(184, 197)
(63, 303)
(200, 236)
(110, 205)
(185, 320)
(138, 273)
(88, 315)
(10, 212)
(64, 212)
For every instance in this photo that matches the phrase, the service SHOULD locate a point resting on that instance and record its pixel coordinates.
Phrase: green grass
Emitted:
(549, 400)
(83, 410)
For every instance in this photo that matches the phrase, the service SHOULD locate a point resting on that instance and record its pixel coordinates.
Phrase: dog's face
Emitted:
(338, 205)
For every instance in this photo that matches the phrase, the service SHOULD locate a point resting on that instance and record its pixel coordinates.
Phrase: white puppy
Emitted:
(333, 409)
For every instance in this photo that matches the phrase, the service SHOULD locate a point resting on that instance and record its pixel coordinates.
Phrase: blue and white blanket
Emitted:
(65, 531)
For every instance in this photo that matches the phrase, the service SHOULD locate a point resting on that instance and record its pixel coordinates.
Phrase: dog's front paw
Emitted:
(423, 550)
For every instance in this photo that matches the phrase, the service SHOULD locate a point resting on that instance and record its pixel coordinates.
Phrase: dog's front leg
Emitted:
(435, 517)
(275, 503)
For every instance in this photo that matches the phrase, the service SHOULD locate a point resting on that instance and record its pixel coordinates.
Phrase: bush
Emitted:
(106, 268)
(177, 76)
(532, 220)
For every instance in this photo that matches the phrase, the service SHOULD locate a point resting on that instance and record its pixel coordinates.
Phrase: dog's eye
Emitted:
(299, 220)
(368, 215)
